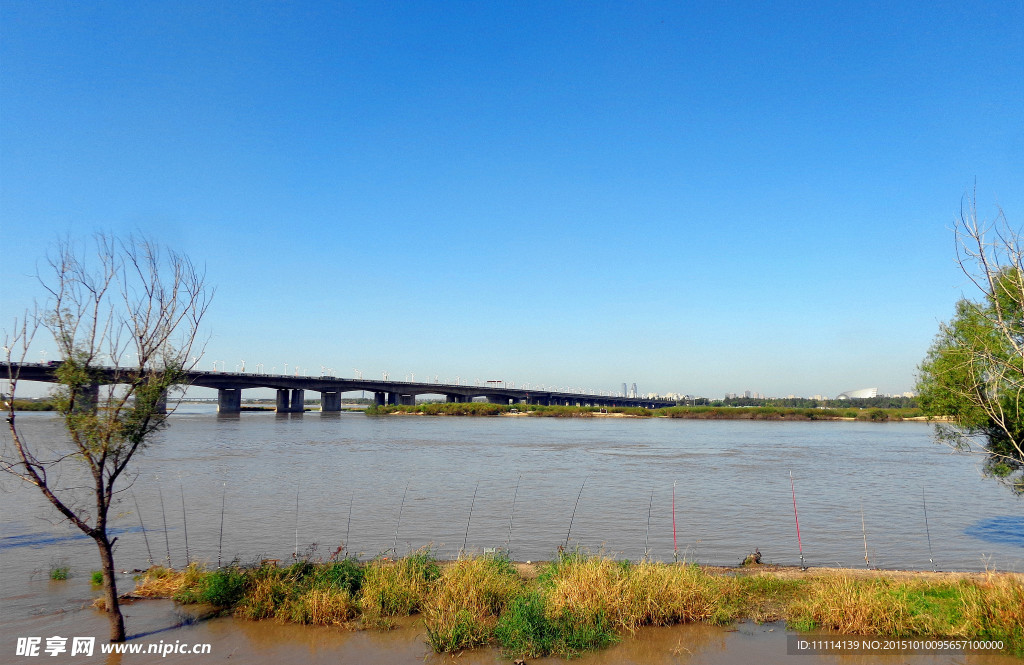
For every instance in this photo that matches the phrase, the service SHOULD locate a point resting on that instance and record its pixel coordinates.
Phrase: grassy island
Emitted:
(580, 602)
(687, 412)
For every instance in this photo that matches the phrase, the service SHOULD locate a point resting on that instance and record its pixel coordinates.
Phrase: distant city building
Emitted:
(863, 393)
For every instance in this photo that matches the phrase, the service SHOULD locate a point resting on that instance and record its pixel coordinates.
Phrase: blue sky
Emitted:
(695, 197)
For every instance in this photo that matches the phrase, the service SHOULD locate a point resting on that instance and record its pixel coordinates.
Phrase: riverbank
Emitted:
(682, 412)
(580, 602)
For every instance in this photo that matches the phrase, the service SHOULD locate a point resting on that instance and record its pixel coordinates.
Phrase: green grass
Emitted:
(34, 405)
(59, 573)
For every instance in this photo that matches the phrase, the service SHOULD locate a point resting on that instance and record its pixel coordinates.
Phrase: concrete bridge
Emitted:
(291, 390)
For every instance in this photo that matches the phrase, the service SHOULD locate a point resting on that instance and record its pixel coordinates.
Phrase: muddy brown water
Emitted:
(732, 494)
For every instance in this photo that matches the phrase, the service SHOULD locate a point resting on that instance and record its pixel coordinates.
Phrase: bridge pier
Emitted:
(393, 399)
(298, 401)
(407, 400)
(161, 403)
(379, 398)
(330, 401)
(87, 398)
(283, 402)
(229, 400)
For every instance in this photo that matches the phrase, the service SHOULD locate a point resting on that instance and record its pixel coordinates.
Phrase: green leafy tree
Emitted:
(125, 319)
(974, 371)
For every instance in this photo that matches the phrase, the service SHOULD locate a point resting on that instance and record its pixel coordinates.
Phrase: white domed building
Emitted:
(863, 393)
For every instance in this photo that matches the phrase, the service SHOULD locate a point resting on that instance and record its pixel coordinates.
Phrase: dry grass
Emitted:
(634, 595)
(658, 594)
(465, 602)
(161, 582)
(320, 607)
(994, 608)
(396, 588)
(265, 596)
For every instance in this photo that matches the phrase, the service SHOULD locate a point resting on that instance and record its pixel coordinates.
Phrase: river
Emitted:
(287, 484)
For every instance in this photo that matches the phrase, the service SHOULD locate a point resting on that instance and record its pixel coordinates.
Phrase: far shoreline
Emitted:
(759, 413)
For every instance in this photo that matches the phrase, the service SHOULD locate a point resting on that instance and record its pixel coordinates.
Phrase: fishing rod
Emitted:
(574, 511)
(863, 530)
(511, 516)
(400, 509)
(295, 553)
(466, 541)
(927, 532)
(184, 521)
(647, 535)
(220, 539)
(675, 543)
(149, 552)
(163, 513)
(799, 542)
(349, 527)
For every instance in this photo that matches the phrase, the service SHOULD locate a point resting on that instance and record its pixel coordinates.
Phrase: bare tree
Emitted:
(129, 304)
(974, 371)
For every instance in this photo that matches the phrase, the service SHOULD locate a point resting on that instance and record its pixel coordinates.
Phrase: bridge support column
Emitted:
(298, 400)
(161, 403)
(330, 401)
(283, 402)
(229, 400)
(87, 399)
(378, 399)
(451, 398)
(393, 399)
(408, 400)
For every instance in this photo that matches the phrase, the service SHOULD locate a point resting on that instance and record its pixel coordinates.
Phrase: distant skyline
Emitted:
(697, 199)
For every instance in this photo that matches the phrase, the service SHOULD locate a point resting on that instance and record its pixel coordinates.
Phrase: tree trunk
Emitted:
(110, 589)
